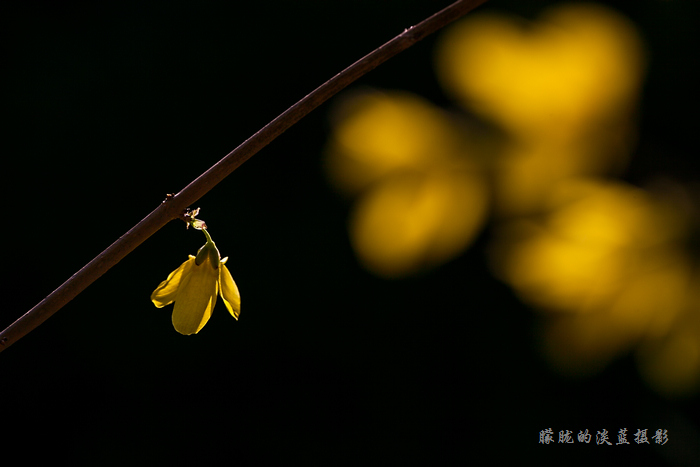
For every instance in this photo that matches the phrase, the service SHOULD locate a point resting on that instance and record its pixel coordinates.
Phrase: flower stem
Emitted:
(173, 206)
(209, 240)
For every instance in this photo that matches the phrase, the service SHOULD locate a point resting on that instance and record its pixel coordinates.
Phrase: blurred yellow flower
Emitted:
(415, 221)
(579, 63)
(378, 134)
(421, 199)
(525, 173)
(608, 257)
(671, 363)
(603, 259)
(194, 286)
(564, 89)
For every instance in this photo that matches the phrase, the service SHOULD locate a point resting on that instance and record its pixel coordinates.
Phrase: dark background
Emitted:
(109, 106)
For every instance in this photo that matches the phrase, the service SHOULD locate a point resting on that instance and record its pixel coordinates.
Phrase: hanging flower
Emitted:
(194, 287)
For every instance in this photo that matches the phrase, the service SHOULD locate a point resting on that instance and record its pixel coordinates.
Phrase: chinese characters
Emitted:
(603, 437)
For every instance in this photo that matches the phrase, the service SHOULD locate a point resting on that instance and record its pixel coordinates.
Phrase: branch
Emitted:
(173, 207)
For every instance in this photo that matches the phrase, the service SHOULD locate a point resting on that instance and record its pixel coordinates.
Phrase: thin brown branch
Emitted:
(174, 206)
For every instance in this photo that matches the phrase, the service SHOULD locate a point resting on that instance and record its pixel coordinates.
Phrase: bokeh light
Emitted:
(671, 363)
(420, 197)
(604, 262)
(577, 64)
(415, 221)
(608, 259)
(564, 89)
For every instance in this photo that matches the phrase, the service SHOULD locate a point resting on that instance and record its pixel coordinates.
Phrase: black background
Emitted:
(108, 106)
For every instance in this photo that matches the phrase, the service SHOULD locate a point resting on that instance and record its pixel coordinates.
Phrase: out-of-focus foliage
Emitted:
(595, 237)
(420, 197)
(576, 65)
(671, 362)
(563, 88)
(608, 260)
(605, 262)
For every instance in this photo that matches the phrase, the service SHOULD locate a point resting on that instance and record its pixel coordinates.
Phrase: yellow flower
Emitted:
(194, 287)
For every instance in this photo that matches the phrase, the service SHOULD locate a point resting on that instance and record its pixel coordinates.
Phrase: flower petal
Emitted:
(195, 299)
(229, 291)
(166, 292)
